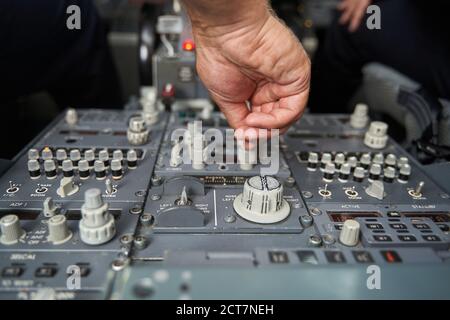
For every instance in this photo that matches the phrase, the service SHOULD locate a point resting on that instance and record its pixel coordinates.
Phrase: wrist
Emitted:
(214, 20)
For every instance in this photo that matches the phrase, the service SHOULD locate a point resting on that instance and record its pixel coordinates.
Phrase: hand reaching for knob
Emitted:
(253, 66)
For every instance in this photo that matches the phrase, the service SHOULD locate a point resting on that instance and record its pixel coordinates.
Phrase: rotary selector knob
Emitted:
(137, 132)
(58, 232)
(97, 225)
(359, 117)
(11, 229)
(262, 200)
(349, 235)
(376, 137)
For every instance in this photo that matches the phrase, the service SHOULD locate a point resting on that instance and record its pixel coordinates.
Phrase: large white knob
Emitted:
(262, 200)
(350, 233)
(11, 229)
(97, 225)
(376, 137)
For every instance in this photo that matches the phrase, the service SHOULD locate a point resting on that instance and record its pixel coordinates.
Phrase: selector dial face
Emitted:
(262, 200)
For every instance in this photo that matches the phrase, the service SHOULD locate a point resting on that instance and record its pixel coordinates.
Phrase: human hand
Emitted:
(353, 12)
(260, 61)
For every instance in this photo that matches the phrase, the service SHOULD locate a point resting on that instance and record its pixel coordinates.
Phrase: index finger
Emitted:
(290, 109)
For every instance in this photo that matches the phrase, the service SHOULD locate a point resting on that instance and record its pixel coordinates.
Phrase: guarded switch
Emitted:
(349, 235)
(262, 200)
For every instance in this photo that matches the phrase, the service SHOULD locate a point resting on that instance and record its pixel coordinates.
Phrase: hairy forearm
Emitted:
(215, 18)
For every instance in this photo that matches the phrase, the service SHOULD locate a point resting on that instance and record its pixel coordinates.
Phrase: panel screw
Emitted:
(119, 264)
(126, 239)
(290, 182)
(328, 239)
(315, 211)
(229, 218)
(147, 219)
(315, 240)
(156, 180)
(307, 194)
(137, 209)
(155, 197)
(140, 242)
(140, 193)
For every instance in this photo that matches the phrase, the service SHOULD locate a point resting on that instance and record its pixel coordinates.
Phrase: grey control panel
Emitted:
(101, 205)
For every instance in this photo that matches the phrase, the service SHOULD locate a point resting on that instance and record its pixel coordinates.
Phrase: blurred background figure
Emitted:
(46, 67)
(413, 40)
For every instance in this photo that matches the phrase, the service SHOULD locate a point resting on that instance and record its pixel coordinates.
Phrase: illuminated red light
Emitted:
(188, 45)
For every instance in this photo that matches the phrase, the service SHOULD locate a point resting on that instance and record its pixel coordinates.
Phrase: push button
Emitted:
(278, 257)
(45, 272)
(393, 214)
(362, 256)
(335, 257)
(407, 238)
(431, 237)
(398, 226)
(84, 270)
(421, 226)
(308, 257)
(374, 226)
(391, 256)
(12, 272)
(383, 238)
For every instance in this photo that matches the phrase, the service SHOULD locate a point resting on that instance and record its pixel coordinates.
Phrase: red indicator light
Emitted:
(188, 45)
